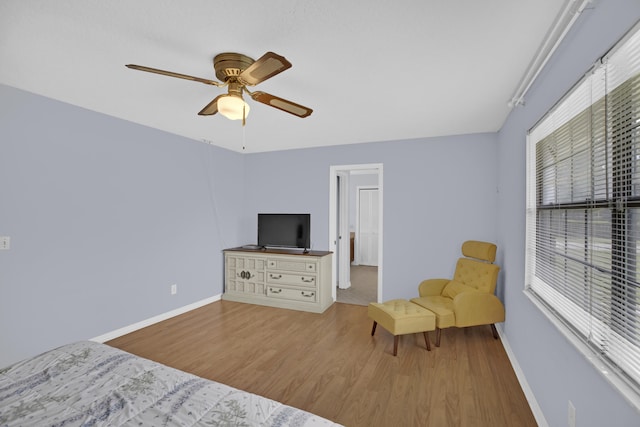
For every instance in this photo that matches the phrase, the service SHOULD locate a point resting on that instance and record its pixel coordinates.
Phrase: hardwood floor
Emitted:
(329, 364)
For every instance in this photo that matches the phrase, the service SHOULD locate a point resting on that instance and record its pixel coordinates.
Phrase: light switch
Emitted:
(5, 242)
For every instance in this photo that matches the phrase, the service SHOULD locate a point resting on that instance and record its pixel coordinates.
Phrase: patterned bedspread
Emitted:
(87, 384)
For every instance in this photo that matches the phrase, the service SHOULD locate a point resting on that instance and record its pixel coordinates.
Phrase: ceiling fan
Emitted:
(237, 71)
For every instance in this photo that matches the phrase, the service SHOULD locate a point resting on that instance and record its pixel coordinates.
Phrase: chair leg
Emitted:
(373, 330)
(426, 340)
(494, 331)
(438, 333)
(395, 344)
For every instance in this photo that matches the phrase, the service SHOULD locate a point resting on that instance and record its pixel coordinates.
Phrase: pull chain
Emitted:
(244, 122)
(244, 139)
(244, 114)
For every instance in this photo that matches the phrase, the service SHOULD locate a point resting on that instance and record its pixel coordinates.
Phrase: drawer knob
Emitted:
(308, 280)
(273, 276)
(275, 291)
(307, 294)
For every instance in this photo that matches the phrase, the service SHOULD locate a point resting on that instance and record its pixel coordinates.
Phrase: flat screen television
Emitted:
(284, 230)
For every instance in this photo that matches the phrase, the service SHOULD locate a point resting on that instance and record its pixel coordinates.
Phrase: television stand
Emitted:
(281, 278)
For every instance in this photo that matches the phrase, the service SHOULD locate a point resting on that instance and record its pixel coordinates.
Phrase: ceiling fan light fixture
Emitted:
(231, 106)
(238, 71)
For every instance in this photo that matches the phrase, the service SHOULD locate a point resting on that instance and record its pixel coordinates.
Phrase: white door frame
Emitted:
(333, 242)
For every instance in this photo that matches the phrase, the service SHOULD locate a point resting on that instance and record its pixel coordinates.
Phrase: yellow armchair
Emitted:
(469, 298)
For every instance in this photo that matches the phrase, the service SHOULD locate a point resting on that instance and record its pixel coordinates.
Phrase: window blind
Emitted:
(583, 210)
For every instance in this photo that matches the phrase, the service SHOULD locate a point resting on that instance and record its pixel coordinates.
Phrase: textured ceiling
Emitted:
(372, 70)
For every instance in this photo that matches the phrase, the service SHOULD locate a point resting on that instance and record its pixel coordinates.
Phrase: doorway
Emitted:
(355, 231)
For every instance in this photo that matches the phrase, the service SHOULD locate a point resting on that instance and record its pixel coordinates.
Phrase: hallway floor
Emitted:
(364, 286)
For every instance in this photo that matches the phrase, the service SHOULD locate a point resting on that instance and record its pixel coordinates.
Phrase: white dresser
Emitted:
(278, 278)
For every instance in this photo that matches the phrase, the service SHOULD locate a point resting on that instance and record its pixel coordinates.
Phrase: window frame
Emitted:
(551, 180)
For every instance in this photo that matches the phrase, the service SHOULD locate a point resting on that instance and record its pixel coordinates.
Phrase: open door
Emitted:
(342, 227)
(339, 226)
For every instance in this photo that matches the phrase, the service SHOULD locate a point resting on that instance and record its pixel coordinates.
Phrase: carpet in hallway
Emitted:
(364, 286)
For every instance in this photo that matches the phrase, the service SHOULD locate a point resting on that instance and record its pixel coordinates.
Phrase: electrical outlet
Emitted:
(5, 242)
(174, 289)
(571, 420)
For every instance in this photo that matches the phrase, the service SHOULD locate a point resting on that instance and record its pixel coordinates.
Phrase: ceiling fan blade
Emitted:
(211, 107)
(267, 66)
(172, 74)
(282, 104)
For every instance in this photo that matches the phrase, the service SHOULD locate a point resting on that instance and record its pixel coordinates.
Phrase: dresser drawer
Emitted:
(283, 264)
(291, 294)
(307, 280)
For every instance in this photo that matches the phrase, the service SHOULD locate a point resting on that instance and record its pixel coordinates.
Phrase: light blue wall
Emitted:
(555, 371)
(104, 215)
(438, 192)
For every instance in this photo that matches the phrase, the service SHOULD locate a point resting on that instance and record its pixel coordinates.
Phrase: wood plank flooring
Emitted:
(329, 364)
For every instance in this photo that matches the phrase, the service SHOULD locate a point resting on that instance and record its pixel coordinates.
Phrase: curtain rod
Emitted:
(563, 23)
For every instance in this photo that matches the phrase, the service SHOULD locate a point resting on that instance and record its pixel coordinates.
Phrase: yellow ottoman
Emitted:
(402, 317)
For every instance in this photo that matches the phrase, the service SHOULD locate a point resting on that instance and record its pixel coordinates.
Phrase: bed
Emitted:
(92, 384)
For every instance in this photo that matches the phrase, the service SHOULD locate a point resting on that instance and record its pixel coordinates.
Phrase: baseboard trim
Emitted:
(528, 393)
(155, 319)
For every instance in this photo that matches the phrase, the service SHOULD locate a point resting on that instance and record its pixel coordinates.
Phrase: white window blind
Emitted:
(583, 210)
